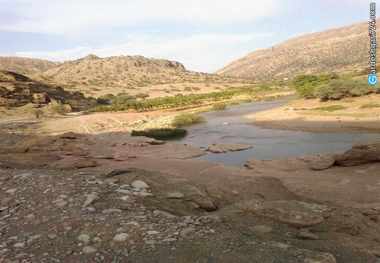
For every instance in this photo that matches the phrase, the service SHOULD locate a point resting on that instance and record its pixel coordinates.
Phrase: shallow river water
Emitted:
(230, 126)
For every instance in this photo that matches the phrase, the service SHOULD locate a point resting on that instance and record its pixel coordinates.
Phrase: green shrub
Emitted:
(187, 119)
(161, 134)
(331, 108)
(306, 85)
(343, 88)
(219, 106)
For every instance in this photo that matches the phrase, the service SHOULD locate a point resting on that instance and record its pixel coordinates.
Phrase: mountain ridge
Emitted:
(333, 50)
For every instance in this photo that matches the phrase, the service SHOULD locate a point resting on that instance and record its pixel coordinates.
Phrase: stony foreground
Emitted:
(112, 198)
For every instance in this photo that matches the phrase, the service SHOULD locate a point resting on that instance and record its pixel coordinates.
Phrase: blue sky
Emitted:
(205, 35)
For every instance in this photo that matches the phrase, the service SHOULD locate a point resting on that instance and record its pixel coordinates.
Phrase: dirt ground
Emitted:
(360, 114)
(109, 197)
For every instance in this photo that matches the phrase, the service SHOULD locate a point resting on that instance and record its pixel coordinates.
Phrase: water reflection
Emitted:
(229, 126)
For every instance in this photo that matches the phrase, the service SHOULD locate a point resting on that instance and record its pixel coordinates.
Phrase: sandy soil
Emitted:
(311, 115)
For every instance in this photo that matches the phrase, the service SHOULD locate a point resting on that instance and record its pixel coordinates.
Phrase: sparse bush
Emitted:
(219, 106)
(38, 113)
(106, 99)
(187, 119)
(331, 108)
(142, 96)
(161, 134)
(370, 106)
(59, 108)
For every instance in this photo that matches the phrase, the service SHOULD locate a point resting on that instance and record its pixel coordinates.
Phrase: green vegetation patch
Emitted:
(187, 119)
(331, 87)
(331, 108)
(123, 103)
(307, 85)
(161, 134)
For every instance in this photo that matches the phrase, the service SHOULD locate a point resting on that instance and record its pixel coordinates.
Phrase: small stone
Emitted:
(152, 232)
(122, 237)
(89, 250)
(111, 211)
(19, 245)
(114, 173)
(307, 235)
(11, 191)
(163, 214)
(320, 258)
(125, 198)
(97, 239)
(84, 238)
(80, 164)
(175, 195)
(262, 229)
(143, 194)
(169, 240)
(90, 198)
(60, 203)
(140, 185)
(187, 231)
(30, 217)
(52, 236)
(123, 191)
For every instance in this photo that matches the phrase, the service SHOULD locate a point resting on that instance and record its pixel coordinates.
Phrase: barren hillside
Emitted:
(26, 66)
(132, 74)
(342, 49)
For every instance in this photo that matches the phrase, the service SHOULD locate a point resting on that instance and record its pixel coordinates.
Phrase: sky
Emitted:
(204, 35)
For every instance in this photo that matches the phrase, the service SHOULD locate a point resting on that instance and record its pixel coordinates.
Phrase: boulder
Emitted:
(320, 163)
(291, 212)
(359, 155)
(85, 163)
(224, 148)
(40, 98)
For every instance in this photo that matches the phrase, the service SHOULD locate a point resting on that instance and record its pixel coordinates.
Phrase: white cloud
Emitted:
(204, 52)
(76, 16)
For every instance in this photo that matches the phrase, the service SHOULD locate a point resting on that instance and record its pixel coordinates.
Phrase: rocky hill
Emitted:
(342, 49)
(132, 74)
(17, 90)
(26, 66)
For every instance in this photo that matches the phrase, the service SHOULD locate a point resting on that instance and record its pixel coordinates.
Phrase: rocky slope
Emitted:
(17, 90)
(26, 66)
(336, 50)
